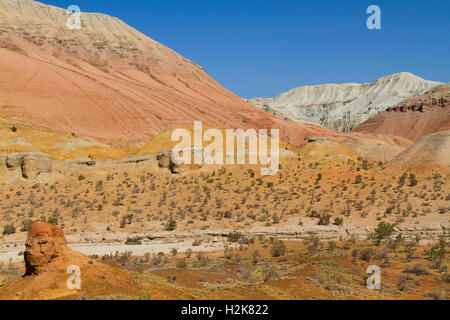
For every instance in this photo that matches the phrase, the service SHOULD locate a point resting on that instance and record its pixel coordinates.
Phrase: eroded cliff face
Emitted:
(344, 106)
(415, 117)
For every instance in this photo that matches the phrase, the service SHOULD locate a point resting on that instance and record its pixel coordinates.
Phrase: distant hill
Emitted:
(415, 117)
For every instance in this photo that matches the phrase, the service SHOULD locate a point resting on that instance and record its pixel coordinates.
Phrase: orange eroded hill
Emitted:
(110, 82)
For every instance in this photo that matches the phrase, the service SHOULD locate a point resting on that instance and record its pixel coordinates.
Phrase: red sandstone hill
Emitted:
(110, 82)
(415, 117)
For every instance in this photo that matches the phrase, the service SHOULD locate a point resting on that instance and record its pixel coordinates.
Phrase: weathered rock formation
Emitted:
(45, 243)
(135, 159)
(415, 117)
(80, 161)
(344, 106)
(47, 261)
(165, 160)
(31, 164)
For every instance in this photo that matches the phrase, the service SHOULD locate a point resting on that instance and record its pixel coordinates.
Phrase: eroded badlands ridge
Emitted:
(415, 117)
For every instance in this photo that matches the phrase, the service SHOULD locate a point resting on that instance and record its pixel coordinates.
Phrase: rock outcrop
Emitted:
(344, 106)
(165, 160)
(31, 164)
(135, 159)
(45, 243)
(81, 161)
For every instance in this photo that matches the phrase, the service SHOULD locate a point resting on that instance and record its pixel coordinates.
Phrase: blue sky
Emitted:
(266, 47)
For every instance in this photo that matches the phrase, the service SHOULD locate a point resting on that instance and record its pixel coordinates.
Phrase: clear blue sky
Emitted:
(266, 47)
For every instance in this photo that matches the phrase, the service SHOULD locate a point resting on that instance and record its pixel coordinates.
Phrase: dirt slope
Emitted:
(429, 152)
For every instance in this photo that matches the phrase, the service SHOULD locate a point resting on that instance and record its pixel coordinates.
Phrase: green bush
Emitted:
(234, 236)
(339, 221)
(171, 224)
(133, 241)
(383, 231)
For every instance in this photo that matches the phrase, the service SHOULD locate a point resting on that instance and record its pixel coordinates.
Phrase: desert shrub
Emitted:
(203, 259)
(25, 225)
(436, 295)
(172, 278)
(188, 253)
(53, 219)
(171, 224)
(355, 253)
(14, 129)
(158, 259)
(412, 180)
(255, 257)
(332, 246)
(315, 244)
(402, 282)
(123, 222)
(125, 257)
(402, 179)
(366, 254)
(338, 221)
(9, 229)
(278, 248)
(437, 253)
(417, 269)
(324, 219)
(228, 252)
(133, 241)
(269, 273)
(182, 264)
(234, 236)
(383, 230)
